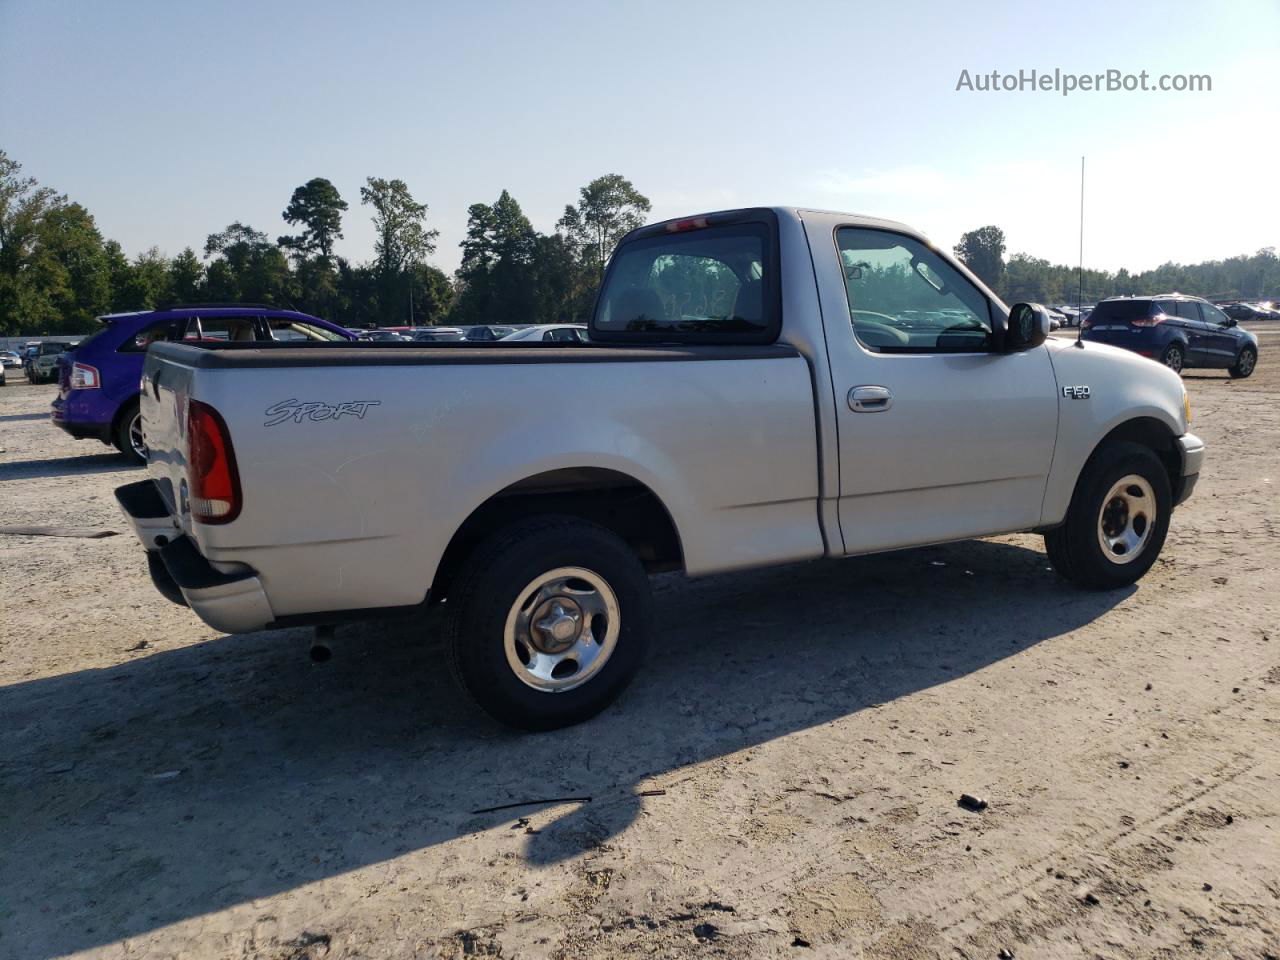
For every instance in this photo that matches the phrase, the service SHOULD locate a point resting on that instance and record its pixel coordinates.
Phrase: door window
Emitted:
(905, 298)
(1188, 310)
(156, 333)
(287, 328)
(1212, 314)
(236, 329)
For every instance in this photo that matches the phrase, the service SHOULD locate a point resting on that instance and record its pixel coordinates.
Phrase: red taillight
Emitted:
(84, 377)
(1147, 321)
(214, 480)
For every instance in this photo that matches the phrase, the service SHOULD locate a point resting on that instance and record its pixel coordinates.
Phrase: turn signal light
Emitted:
(211, 466)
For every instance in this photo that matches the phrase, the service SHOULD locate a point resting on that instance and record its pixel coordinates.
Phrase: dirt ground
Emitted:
(781, 780)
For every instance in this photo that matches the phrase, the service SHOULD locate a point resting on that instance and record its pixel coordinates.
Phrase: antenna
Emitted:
(1080, 272)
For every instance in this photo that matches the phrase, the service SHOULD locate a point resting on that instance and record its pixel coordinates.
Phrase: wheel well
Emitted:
(606, 497)
(1150, 433)
(120, 414)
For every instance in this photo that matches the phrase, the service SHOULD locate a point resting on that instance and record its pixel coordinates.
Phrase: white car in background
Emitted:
(551, 332)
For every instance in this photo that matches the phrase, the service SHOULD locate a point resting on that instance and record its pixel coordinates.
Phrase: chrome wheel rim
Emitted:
(1127, 517)
(1247, 360)
(135, 436)
(562, 629)
(1173, 360)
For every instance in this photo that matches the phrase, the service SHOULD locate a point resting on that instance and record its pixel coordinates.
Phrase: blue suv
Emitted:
(98, 380)
(1177, 330)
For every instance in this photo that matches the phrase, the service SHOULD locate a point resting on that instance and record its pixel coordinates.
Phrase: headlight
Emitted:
(1186, 407)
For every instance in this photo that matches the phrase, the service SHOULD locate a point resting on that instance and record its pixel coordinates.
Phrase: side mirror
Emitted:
(1230, 322)
(1027, 327)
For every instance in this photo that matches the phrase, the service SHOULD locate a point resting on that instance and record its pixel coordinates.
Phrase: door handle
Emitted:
(870, 399)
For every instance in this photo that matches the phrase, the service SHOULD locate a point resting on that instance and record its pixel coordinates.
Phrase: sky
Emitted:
(168, 120)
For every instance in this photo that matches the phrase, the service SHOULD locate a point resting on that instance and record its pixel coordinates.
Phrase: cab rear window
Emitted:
(708, 284)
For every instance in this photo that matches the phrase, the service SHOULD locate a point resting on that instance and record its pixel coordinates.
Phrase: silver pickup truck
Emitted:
(759, 387)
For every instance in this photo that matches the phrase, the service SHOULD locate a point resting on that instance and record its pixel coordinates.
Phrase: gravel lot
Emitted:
(780, 781)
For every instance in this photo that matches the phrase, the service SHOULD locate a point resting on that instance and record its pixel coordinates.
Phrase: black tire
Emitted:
(1075, 549)
(488, 586)
(121, 436)
(1174, 357)
(1245, 364)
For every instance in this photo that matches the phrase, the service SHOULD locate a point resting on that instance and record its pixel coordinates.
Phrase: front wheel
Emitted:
(1117, 521)
(548, 622)
(1244, 364)
(1174, 357)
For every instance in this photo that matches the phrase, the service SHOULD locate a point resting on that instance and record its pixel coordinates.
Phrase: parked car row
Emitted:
(1241, 310)
(1177, 330)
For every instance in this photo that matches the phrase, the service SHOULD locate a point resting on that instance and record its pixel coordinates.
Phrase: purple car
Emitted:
(98, 381)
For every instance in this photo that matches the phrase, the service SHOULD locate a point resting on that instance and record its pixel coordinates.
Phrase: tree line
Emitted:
(58, 272)
(1026, 278)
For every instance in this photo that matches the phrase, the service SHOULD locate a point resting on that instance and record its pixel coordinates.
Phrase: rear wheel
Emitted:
(1174, 357)
(548, 622)
(1244, 364)
(128, 435)
(1117, 521)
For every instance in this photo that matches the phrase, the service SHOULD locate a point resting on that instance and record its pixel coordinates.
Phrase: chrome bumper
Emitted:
(231, 602)
(1192, 449)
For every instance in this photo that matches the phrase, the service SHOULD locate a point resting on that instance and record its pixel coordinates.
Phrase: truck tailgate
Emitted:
(166, 389)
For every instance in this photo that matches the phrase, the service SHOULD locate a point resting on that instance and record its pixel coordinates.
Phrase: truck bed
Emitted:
(359, 462)
(234, 355)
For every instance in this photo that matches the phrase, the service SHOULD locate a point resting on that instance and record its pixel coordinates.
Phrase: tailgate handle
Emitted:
(870, 399)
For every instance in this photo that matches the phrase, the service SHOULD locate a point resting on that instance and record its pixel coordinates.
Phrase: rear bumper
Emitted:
(1192, 448)
(232, 602)
(61, 415)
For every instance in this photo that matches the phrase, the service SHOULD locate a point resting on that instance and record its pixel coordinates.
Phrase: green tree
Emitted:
(403, 241)
(318, 207)
(982, 251)
(496, 280)
(148, 283)
(247, 267)
(23, 207)
(186, 276)
(608, 207)
(432, 295)
(560, 295)
(69, 268)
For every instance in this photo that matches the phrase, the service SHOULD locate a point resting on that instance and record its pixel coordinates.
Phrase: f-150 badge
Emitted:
(299, 410)
(1076, 393)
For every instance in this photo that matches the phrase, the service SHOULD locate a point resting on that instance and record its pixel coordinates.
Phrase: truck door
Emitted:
(940, 437)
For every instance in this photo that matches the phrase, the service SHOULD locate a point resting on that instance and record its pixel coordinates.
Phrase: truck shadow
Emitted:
(65, 466)
(192, 780)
